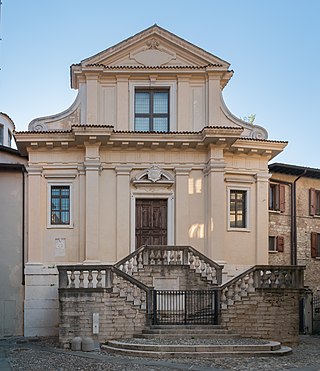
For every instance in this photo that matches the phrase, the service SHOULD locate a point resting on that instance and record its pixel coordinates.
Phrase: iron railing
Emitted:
(185, 307)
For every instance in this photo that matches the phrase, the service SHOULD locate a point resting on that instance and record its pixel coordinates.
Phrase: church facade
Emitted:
(148, 154)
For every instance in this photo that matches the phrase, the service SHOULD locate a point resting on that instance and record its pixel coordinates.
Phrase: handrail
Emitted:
(172, 255)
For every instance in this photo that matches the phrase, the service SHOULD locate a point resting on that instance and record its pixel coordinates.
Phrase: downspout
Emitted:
(294, 218)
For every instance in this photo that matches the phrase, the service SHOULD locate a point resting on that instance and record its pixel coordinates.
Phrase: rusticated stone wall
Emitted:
(265, 314)
(118, 318)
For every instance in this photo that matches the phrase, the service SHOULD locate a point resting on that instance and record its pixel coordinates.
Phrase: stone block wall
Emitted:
(118, 318)
(265, 314)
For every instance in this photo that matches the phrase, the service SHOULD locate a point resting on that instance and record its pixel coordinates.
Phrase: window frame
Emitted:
(276, 196)
(314, 202)
(151, 115)
(49, 210)
(170, 85)
(247, 193)
(315, 245)
(278, 244)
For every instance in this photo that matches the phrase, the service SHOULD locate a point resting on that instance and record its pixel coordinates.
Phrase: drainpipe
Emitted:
(294, 219)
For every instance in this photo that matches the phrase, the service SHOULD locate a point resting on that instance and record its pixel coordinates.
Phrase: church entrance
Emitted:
(151, 222)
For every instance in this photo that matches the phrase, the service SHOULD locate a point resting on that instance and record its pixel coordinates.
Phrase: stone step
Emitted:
(188, 327)
(186, 331)
(186, 336)
(201, 350)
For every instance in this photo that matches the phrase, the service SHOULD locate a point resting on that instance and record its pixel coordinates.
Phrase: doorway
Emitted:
(151, 222)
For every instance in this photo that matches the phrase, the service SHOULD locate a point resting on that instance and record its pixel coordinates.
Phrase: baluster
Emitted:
(72, 279)
(129, 293)
(90, 279)
(214, 275)
(191, 261)
(140, 261)
(197, 265)
(243, 288)
(179, 257)
(250, 283)
(134, 264)
(152, 262)
(125, 267)
(172, 257)
(237, 291)
(289, 280)
(230, 295)
(116, 282)
(81, 279)
(99, 278)
(282, 282)
(224, 299)
(130, 266)
(165, 257)
(203, 268)
(209, 272)
(158, 257)
(272, 280)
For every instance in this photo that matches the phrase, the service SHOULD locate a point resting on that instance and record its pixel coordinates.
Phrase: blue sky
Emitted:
(273, 47)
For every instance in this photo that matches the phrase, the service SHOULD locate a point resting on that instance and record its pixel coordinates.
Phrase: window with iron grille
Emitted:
(60, 204)
(238, 209)
(151, 110)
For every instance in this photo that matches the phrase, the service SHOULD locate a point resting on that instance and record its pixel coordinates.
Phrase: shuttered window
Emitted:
(314, 201)
(315, 245)
(277, 197)
(276, 243)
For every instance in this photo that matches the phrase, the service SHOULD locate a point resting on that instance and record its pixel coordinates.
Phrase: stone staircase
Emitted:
(193, 341)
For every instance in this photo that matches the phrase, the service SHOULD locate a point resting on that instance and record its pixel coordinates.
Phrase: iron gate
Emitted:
(316, 314)
(184, 307)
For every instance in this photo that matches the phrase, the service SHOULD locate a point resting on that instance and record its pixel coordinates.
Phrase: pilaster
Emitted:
(183, 103)
(122, 211)
(215, 207)
(214, 94)
(182, 205)
(122, 103)
(92, 99)
(92, 168)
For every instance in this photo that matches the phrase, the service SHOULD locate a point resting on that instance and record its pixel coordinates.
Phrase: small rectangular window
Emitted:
(315, 245)
(277, 197)
(238, 209)
(151, 110)
(60, 205)
(272, 243)
(314, 201)
(9, 138)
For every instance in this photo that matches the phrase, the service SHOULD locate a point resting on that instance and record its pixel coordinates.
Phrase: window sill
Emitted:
(273, 252)
(238, 230)
(60, 226)
(275, 211)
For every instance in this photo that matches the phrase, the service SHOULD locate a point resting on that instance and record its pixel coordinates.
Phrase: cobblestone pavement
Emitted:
(44, 355)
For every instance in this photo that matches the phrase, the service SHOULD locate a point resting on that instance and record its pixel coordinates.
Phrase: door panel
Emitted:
(151, 222)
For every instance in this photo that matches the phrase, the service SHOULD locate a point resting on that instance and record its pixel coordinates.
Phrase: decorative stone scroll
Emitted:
(153, 176)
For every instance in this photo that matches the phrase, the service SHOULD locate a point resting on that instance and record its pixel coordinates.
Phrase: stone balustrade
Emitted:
(261, 277)
(172, 255)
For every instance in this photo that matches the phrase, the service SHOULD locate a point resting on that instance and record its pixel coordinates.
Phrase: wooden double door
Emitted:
(151, 222)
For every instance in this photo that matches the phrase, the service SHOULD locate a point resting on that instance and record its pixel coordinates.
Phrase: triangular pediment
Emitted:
(155, 47)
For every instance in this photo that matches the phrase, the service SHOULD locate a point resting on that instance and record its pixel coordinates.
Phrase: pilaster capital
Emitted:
(123, 170)
(182, 171)
(262, 177)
